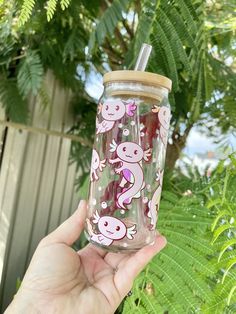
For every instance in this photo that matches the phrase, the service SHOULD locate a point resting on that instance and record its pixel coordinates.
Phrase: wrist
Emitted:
(22, 304)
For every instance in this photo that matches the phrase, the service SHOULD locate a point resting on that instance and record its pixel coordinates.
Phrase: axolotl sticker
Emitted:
(96, 164)
(164, 118)
(113, 111)
(155, 200)
(129, 156)
(110, 229)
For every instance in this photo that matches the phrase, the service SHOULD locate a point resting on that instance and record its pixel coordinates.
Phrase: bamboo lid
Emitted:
(146, 78)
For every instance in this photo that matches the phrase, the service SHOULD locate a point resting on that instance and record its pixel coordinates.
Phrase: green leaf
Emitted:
(15, 106)
(231, 294)
(213, 202)
(65, 4)
(26, 11)
(144, 28)
(188, 15)
(178, 274)
(218, 217)
(165, 44)
(220, 230)
(51, 9)
(226, 246)
(108, 21)
(230, 265)
(30, 74)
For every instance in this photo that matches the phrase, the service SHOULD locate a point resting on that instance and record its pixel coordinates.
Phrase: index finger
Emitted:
(69, 231)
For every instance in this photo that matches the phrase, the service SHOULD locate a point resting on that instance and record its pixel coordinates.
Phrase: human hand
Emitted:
(90, 281)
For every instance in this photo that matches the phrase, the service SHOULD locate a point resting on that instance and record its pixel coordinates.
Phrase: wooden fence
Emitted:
(36, 183)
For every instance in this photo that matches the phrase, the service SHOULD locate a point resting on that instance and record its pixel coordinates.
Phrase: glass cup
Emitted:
(128, 159)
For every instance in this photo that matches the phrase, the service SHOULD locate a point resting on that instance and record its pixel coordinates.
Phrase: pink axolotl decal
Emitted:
(164, 118)
(113, 111)
(96, 164)
(110, 229)
(154, 202)
(129, 155)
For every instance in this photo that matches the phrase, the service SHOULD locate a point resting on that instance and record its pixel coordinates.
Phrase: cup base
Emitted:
(120, 249)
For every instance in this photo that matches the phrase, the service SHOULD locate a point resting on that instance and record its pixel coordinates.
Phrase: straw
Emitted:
(143, 57)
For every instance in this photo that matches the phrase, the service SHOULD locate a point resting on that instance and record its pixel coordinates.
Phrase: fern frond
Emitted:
(227, 245)
(108, 21)
(181, 28)
(73, 44)
(165, 44)
(178, 274)
(174, 39)
(220, 230)
(232, 291)
(15, 106)
(144, 28)
(26, 11)
(224, 236)
(44, 97)
(185, 7)
(51, 9)
(30, 74)
(219, 302)
(65, 4)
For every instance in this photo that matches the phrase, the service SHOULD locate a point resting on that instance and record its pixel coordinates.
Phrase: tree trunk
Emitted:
(174, 150)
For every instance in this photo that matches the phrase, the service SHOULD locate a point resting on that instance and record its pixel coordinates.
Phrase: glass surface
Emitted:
(127, 166)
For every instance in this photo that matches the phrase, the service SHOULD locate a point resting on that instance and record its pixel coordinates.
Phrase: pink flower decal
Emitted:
(113, 111)
(110, 229)
(96, 164)
(130, 109)
(129, 156)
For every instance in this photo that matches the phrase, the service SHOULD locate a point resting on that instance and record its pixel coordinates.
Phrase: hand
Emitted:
(90, 281)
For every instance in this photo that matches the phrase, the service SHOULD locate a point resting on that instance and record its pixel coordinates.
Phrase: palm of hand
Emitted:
(61, 280)
(59, 277)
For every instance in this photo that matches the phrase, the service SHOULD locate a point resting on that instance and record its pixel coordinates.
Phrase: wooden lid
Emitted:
(146, 78)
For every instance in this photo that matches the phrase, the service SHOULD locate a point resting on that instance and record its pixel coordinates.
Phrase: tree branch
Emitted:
(111, 51)
(128, 29)
(121, 41)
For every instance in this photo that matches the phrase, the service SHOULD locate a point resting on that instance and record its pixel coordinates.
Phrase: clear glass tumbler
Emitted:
(128, 159)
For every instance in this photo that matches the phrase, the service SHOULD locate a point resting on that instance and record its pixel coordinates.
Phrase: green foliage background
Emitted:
(193, 44)
(196, 272)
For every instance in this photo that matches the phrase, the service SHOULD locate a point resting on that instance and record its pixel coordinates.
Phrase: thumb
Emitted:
(69, 231)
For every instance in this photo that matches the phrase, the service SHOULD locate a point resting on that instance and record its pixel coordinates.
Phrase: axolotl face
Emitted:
(130, 152)
(95, 160)
(112, 228)
(113, 110)
(164, 117)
